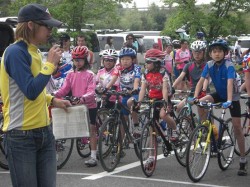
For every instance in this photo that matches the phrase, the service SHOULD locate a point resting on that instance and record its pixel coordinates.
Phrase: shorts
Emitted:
(235, 109)
(92, 115)
(124, 103)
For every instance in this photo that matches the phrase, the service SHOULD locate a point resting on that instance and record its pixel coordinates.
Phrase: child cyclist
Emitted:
(156, 81)
(130, 77)
(81, 83)
(104, 75)
(222, 74)
(193, 71)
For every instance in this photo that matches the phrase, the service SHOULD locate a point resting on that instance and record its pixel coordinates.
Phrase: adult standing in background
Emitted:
(237, 52)
(29, 141)
(109, 44)
(182, 57)
(81, 41)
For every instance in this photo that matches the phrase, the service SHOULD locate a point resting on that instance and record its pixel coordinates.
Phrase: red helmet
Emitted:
(80, 52)
(155, 54)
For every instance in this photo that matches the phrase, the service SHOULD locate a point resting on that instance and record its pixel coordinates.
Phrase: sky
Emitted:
(146, 3)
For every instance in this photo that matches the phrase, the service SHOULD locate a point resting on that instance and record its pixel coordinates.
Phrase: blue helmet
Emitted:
(199, 34)
(127, 52)
(219, 42)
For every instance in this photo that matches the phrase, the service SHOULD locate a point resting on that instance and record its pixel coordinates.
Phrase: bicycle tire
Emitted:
(143, 120)
(3, 160)
(82, 144)
(246, 133)
(226, 146)
(148, 147)
(63, 151)
(180, 150)
(195, 152)
(109, 144)
(183, 112)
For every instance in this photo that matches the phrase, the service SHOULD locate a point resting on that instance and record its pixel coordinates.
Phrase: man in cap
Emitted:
(29, 140)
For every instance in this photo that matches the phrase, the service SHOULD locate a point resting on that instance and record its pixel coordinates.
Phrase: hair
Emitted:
(108, 39)
(218, 47)
(85, 66)
(183, 41)
(130, 34)
(23, 31)
(81, 36)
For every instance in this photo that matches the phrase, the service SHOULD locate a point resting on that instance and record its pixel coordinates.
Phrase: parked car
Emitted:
(148, 41)
(245, 42)
(119, 39)
(7, 25)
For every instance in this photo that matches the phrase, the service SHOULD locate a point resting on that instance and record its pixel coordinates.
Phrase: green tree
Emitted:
(223, 17)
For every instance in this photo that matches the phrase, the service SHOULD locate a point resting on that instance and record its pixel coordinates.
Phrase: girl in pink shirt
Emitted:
(104, 75)
(81, 83)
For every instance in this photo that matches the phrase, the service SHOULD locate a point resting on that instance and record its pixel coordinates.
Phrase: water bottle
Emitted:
(163, 125)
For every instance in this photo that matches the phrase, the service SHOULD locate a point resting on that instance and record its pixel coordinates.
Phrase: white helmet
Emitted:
(109, 53)
(198, 46)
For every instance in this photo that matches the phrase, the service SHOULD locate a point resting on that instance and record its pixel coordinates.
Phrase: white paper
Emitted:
(71, 124)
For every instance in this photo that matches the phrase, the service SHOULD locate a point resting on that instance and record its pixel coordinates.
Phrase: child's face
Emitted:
(149, 65)
(108, 63)
(198, 55)
(126, 61)
(79, 63)
(217, 54)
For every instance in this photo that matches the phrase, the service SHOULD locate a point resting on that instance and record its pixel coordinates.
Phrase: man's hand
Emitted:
(59, 103)
(54, 55)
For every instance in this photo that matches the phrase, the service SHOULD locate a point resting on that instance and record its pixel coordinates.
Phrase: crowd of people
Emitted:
(29, 140)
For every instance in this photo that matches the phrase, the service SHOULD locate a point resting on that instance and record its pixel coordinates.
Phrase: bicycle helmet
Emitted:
(199, 35)
(176, 43)
(198, 46)
(127, 52)
(80, 52)
(156, 56)
(109, 53)
(219, 42)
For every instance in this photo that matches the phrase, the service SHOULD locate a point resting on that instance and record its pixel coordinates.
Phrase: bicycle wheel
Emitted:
(82, 144)
(185, 129)
(184, 112)
(226, 146)
(63, 151)
(246, 133)
(148, 149)
(3, 160)
(109, 144)
(143, 120)
(198, 153)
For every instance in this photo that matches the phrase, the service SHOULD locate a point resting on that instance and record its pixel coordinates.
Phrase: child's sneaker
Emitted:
(243, 169)
(91, 162)
(175, 136)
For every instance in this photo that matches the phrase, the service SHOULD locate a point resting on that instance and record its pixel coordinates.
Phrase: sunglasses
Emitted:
(43, 24)
(78, 60)
(109, 60)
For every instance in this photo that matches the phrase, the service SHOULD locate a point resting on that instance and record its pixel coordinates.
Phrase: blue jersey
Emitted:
(219, 75)
(128, 75)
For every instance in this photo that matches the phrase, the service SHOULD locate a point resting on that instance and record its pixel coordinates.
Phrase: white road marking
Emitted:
(118, 169)
(166, 181)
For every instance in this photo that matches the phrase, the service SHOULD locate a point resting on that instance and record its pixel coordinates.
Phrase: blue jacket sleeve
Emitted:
(17, 64)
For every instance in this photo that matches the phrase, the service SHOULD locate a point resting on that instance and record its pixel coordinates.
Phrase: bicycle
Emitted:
(245, 128)
(150, 132)
(202, 142)
(110, 143)
(3, 160)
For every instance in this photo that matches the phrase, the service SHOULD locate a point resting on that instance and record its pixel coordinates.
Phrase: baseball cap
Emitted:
(37, 12)
(64, 36)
